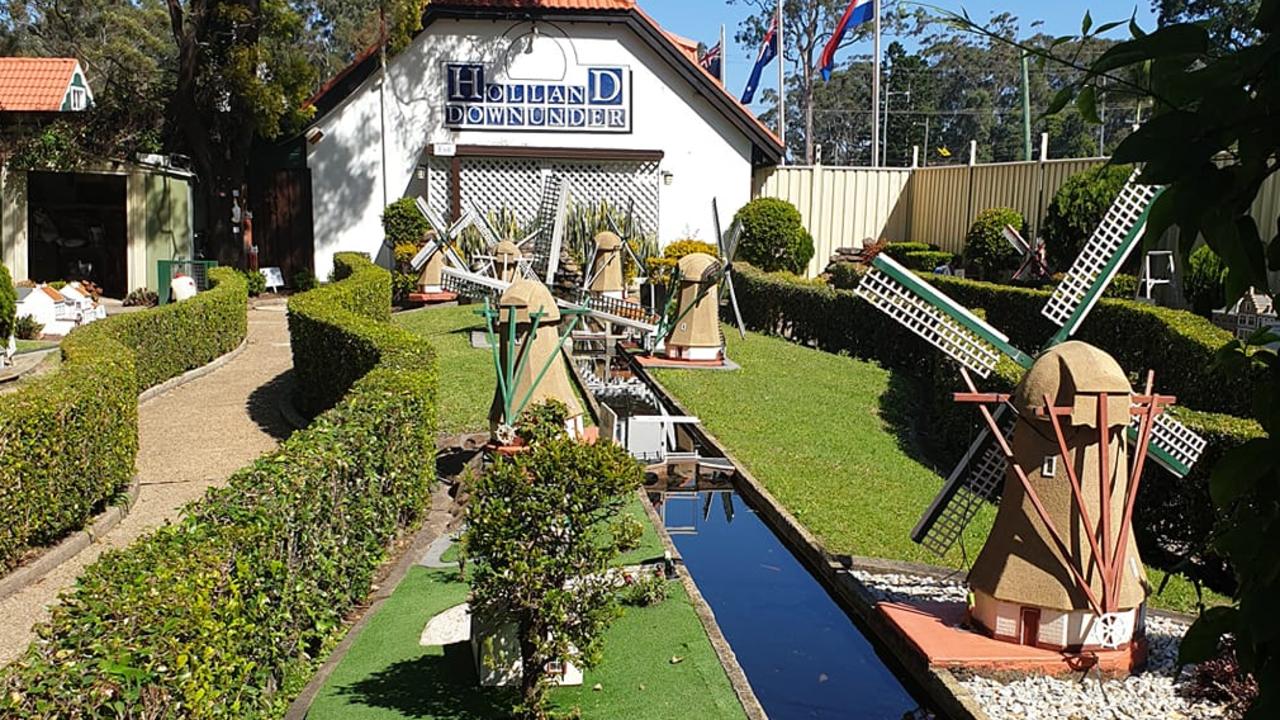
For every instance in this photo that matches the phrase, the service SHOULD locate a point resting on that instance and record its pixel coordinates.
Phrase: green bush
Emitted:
(898, 250)
(26, 328)
(660, 268)
(8, 304)
(225, 614)
(403, 224)
(773, 236)
(303, 280)
(1077, 209)
(926, 260)
(1205, 281)
(986, 248)
(845, 275)
(1122, 287)
(255, 282)
(69, 438)
(339, 331)
(1173, 513)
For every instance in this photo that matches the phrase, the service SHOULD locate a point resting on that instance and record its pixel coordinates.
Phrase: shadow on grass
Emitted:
(905, 410)
(432, 686)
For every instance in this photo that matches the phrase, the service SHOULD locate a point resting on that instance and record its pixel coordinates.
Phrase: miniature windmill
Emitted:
(1033, 265)
(690, 327)
(439, 249)
(525, 334)
(978, 346)
(605, 275)
(543, 244)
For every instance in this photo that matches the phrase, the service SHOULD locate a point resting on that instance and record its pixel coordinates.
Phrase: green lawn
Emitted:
(466, 377)
(832, 439)
(25, 346)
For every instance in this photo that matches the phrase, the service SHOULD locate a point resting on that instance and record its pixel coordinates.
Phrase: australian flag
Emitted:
(711, 60)
(768, 51)
(858, 12)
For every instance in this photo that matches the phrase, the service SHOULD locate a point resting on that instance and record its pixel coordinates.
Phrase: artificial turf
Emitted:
(834, 440)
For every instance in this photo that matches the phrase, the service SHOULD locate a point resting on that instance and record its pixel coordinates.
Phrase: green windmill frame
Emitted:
(510, 367)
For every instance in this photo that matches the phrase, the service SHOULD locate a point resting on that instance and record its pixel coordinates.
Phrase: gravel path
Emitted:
(1149, 695)
(190, 439)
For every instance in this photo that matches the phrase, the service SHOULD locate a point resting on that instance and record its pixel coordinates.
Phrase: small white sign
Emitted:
(273, 276)
(445, 149)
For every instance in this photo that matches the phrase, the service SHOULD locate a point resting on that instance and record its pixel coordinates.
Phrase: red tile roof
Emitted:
(34, 84)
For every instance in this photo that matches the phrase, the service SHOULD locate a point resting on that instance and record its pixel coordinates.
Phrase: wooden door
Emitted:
(282, 222)
(1029, 628)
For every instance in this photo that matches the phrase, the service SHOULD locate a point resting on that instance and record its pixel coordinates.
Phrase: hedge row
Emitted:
(68, 440)
(1174, 514)
(224, 614)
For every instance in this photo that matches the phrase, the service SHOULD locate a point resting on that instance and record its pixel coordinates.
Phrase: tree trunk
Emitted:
(531, 688)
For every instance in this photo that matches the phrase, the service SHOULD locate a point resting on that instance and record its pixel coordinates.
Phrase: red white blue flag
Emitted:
(711, 60)
(768, 51)
(858, 12)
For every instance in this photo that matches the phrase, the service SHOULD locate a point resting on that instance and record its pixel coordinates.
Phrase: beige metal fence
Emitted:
(844, 206)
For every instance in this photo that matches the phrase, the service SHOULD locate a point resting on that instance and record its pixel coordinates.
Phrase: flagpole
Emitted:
(724, 60)
(782, 85)
(875, 88)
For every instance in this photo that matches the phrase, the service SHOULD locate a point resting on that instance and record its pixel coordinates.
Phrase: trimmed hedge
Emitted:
(8, 305)
(927, 260)
(1176, 513)
(68, 440)
(224, 614)
(338, 331)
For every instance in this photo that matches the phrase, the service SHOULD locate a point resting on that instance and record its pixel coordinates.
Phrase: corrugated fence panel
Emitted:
(1012, 185)
(940, 206)
(1055, 173)
(841, 207)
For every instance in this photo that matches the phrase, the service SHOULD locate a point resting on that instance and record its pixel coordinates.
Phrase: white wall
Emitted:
(705, 153)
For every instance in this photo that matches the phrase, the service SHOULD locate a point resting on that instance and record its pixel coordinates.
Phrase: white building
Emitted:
(493, 94)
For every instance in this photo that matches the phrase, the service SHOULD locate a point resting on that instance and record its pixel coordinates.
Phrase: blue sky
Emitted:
(701, 20)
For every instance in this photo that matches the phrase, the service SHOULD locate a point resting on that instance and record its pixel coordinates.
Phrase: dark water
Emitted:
(803, 655)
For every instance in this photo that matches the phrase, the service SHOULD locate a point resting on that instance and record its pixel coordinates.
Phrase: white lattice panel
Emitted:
(1181, 442)
(490, 184)
(1117, 235)
(930, 323)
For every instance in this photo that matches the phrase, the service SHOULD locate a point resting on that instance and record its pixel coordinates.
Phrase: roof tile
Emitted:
(34, 84)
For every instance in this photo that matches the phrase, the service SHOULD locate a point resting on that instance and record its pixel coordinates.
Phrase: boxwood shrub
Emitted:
(8, 305)
(68, 439)
(224, 614)
(1180, 346)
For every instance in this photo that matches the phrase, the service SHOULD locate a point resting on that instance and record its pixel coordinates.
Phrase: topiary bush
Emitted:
(660, 268)
(256, 282)
(1205, 282)
(1122, 287)
(898, 250)
(68, 439)
(926, 260)
(1077, 209)
(8, 304)
(986, 248)
(403, 224)
(773, 236)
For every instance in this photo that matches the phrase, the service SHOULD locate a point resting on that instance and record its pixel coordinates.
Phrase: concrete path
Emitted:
(190, 438)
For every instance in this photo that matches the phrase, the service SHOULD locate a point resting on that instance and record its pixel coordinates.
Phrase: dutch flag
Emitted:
(768, 51)
(858, 12)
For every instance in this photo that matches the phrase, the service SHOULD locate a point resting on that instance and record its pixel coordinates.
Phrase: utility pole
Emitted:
(724, 60)
(1026, 107)
(782, 85)
(875, 88)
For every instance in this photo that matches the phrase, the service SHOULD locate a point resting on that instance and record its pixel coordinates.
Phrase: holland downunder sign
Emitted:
(596, 99)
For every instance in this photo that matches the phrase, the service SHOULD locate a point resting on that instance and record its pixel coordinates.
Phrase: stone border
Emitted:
(728, 659)
(940, 684)
(71, 545)
(155, 391)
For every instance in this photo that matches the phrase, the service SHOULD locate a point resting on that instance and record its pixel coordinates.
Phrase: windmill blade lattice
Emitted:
(472, 285)
(976, 480)
(549, 227)
(728, 247)
(1101, 258)
(1175, 446)
(619, 312)
(939, 320)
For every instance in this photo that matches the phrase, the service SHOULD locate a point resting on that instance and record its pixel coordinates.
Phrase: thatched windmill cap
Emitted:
(1075, 373)
(607, 241)
(506, 250)
(694, 267)
(529, 296)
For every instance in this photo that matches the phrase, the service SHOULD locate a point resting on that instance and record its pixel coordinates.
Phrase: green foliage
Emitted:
(226, 613)
(927, 260)
(1123, 287)
(1077, 209)
(585, 221)
(8, 304)
(845, 276)
(645, 590)
(26, 328)
(1205, 281)
(304, 280)
(898, 250)
(255, 283)
(70, 437)
(402, 224)
(660, 268)
(986, 249)
(542, 532)
(141, 297)
(773, 236)
(341, 331)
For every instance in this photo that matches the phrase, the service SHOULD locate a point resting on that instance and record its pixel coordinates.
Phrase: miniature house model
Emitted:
(1026, 588)
(506, 261)
(606, 269)
(540, 370)
(696, 333)
(1250, 313)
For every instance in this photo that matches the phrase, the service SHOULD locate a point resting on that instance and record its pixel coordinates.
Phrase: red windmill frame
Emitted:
(1110, 559)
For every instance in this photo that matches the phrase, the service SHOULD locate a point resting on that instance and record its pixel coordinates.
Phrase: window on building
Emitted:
(79, 98)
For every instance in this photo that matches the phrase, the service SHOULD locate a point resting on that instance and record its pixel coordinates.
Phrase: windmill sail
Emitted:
(939, 320)
(976, 480)
(1175, 446)
(472, 285)
(549, 228)
(619, 312)
(728, 246)
(1100, 260)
